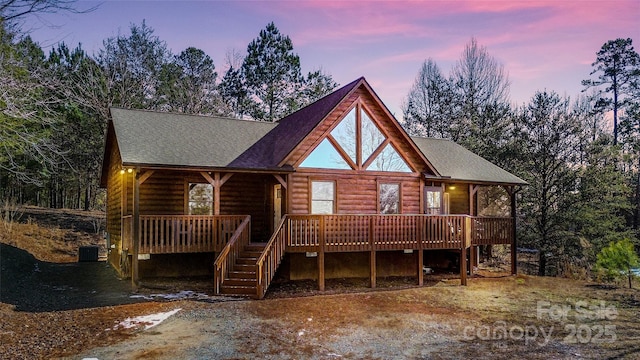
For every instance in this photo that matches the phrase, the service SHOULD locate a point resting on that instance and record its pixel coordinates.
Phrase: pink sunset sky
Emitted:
(542, 44)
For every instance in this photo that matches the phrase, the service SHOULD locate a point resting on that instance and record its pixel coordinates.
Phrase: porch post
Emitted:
(420, 264)
(473, 211)
(136, 229)
(216, 194)
(514, 255)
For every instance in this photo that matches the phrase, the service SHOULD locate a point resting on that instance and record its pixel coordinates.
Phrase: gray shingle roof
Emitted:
(454, 161)
(155, 138)
(148, 138)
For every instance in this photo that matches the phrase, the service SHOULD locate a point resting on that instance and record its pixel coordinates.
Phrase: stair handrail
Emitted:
(230, 253)
(271, 257)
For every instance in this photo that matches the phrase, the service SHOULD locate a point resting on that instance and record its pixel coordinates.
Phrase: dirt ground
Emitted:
(495, 317)
(491, 318)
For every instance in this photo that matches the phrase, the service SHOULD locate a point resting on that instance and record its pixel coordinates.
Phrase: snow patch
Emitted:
(182, 295)
(148, 321)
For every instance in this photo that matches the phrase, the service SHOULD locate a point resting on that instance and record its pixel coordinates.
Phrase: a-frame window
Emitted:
(356, 143)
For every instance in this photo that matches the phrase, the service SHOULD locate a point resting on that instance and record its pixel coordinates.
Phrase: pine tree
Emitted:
(618, 67)
(271, 73)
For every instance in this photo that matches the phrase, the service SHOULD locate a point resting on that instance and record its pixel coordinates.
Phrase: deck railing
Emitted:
(227, 258)
(268, 263)
(345, 233)
(491, 231)
(167, 234)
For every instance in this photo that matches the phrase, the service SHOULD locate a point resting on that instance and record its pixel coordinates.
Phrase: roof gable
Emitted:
(269, 151)
(367, 105)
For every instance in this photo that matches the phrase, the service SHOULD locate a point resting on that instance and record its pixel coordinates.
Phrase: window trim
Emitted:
(378, 193)
(187, 195)
(434, 189)
(335, 194)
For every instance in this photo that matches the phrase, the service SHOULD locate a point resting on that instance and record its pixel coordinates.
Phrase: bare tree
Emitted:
(427, 108)
(480, 85)
(26, 110)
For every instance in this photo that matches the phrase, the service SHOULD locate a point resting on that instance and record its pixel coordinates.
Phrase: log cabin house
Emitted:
(336, 189)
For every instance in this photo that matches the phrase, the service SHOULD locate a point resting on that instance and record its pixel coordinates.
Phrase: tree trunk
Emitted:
(542, 264)
(87, 196)
(636, 217)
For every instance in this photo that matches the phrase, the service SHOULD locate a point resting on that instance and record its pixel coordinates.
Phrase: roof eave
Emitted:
(173, 167)
(448, 179)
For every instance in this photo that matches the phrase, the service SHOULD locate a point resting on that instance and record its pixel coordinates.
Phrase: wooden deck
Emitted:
(371, 233)
(349, 233)
(229, 235)
(171, 234)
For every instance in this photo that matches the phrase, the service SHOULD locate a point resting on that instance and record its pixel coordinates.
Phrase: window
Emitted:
(432, 200)
(345, 134)
(200, 199)
(323, 197)
(325, 156)
(356, 142)
(389, 198)
(389, 160)
(372, 138)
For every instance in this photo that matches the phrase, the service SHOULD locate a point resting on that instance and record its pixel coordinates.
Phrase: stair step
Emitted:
(250, 254)
(242, 274)
(238, 290)
(240, 282)
(244, 267)
(255, 247)
(246, 260)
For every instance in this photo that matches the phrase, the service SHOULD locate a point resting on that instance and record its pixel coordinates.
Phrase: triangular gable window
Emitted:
(345, 134)
(325, 156)
(372, 138)
(356, 143)
(389, 160)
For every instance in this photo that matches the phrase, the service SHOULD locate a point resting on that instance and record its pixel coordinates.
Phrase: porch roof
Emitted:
(455, 162)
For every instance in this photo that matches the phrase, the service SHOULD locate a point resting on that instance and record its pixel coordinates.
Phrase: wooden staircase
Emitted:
(241, 280)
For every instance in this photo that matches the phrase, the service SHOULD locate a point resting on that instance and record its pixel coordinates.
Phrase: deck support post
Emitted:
(321, 242)
(514, 250)
(463, 267)
(136, 230)
(472, 258)
(372, 270)
(321, 270)
(420, 262)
